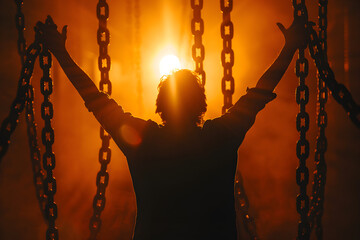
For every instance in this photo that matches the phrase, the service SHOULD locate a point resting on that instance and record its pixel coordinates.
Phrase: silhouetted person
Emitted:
(182, 172)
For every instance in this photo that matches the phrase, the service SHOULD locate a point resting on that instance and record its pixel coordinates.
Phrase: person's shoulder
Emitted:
(152, 124)
(210, 124)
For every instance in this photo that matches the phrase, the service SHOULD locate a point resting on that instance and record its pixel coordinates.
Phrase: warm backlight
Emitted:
(168, 64)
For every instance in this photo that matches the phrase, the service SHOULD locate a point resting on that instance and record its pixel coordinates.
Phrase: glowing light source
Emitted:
(168, 64)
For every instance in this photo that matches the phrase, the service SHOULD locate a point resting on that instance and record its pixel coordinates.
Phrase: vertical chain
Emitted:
(35, 157)
(38, 173)
(197, 29)
(20, 26)
(242, 206)
(318, 192)
(47, 135)
(9, 124)
(302, 125)
(227, 54)
(102, 178)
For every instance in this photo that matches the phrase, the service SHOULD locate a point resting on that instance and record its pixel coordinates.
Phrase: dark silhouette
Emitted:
(182, 172)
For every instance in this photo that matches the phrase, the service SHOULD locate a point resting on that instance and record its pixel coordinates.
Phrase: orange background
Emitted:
(266, 158)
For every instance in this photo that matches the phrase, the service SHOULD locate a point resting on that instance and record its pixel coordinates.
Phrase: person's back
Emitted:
(183, 186)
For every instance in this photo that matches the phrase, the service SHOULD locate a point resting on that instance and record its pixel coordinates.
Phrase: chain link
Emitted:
(337, 90)
(318, 191)
(20, 26)
(227, 54)
(228, 88)
(197, 29)
(302, 126)
(242, 206)
(47, 136)
(35, 157)
(102, 179)
(9, 124)
(38, 173)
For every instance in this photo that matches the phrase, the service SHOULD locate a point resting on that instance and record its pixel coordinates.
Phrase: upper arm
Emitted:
(126, 130)
(240, 117)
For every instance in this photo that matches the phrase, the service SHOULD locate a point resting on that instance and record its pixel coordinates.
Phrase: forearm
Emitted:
(275, 72)
(80, 80)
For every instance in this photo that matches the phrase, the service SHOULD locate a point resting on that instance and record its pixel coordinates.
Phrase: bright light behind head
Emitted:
(168, 64)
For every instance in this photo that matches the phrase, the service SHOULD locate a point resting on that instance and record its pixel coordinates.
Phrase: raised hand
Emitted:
(51, 37)
(296, 35)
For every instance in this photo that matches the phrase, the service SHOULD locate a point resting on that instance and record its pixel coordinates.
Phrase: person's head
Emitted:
(181, 98)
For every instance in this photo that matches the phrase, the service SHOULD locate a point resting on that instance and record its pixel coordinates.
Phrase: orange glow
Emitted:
(168, 64)
(130, 135)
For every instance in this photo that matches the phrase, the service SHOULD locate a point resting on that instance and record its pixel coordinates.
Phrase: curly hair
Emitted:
(183, 93)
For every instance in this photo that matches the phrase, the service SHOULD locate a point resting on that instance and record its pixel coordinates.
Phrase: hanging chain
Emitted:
(47, 135)
(102, 178)
(227, 54)
(197, 29)
(20, 26)
(38, 174)
(302, 125)
(242, 206)
(337, 90)
(9, 124)
(317, 198)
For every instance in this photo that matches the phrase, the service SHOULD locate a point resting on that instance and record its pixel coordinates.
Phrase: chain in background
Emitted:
(318, 191)
(197, 29)
(227, 54)
(48, 138)
(302, 126)
(102, 178)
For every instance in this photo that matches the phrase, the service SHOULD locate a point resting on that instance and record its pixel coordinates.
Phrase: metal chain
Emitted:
(35, 157)
(38, 174)
(242, 206)
(337, 90)
(227, 54)
(20, 26)
(318, 192)
(302, 125)
(197, 29)
(47, 135)
(102, 179)
(9, 124)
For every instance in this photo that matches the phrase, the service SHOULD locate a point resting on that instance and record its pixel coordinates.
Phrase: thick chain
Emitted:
(197, 29)
(227, 54)
(38, 174)
(9, 124)
(47, 135)
(302, 125)
(20, 26)
(102, 179)
(338, 91)
(317, 198)
(242, 206)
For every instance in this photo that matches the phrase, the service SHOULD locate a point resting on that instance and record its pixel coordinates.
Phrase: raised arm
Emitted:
(55, 42)
(239, 118)
(295, 38)
(125, 129)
